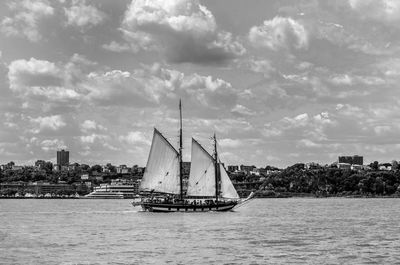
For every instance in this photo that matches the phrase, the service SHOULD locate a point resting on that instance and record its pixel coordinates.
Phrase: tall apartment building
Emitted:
(346, 159)
(358, 160)
(352, 160)
(63, 158)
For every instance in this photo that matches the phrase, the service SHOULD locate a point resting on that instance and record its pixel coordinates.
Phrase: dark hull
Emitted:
(176, 207)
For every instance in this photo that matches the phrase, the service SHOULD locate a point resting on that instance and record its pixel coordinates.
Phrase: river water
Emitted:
(265, 231)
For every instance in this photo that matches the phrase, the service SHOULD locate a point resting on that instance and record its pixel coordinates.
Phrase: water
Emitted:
(265, 231)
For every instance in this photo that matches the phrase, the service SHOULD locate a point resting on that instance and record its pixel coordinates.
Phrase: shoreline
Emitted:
(258, 196)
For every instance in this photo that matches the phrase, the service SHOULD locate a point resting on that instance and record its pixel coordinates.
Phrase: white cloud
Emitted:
(32, 71)
(381, 10)
(242, 110)
(342, 80)
(184, 30)
(349, 80)
(90, 139)
(72, 83)
(382, 129)
(307, 143)
(350, 111)
(298, 121)
(25, 19)
(119, 88)
(270, 131)
(390, 68)
(116, 47)
(135, 137)
(312, 128)
(52, 145)
(154, 85)
(45, 79)
(261, 66)
(82, 15)
(53, 123)
(37, 77)
(278, 33)
(89, 125)
(230, 143)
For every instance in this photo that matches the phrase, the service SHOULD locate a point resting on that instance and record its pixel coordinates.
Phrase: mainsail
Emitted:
(162, 169)
(227, 189)
(202, 172)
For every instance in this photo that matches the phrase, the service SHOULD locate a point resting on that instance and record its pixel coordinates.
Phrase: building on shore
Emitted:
(63, 158)
(37, 187)
(232, 168)
(352, 160)
(247, 169)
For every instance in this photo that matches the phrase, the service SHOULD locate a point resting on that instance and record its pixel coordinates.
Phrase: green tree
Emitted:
(374, 165)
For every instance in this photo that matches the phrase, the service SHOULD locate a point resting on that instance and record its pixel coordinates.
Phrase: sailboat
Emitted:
(209, 186)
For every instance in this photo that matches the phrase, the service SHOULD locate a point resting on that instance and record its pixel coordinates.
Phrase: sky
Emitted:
(279, 82)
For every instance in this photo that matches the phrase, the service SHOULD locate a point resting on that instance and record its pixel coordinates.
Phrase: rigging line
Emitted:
(244, 203)
(165, 139)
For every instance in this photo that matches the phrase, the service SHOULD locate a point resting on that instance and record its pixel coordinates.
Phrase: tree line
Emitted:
(327, 181)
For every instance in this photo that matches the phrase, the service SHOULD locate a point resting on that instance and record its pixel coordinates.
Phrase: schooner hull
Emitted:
(157, 207)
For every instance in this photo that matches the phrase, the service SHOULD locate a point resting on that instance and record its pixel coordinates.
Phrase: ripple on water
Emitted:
(266, 231)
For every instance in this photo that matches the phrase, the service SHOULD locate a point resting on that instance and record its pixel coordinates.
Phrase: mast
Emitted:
(180, 149)
(216, 168)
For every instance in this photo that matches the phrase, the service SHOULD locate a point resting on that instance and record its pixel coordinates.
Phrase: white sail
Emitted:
(227, 189)
(162, 169)
(202, 172)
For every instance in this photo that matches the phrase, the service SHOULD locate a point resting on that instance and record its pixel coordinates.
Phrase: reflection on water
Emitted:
(266, 231)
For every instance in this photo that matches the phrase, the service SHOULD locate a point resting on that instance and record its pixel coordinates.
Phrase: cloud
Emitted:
(114, 46)
(73, 83)
(135, 137)
(242, 110)
(185, 31)
(261, 66)
(279, 33)
(382, 129)
(83, 16)
(387, 11)
(90, 139)
(230, 143)
(34, 73)
(25, 19)
(52, 145)
(53, 123)
(270, 131)
(151, 86)
(39, 78)
(310, 127)
(349, 80)
(390, 68)
(298, 121)
(118, 87)
(307, 143)
(90, 125)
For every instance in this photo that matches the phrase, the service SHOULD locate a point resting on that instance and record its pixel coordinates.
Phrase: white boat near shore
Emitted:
(115, 190)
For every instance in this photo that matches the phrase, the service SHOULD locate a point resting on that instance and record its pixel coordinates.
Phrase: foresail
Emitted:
(227, 189)
(202, 172)
(162, 169)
